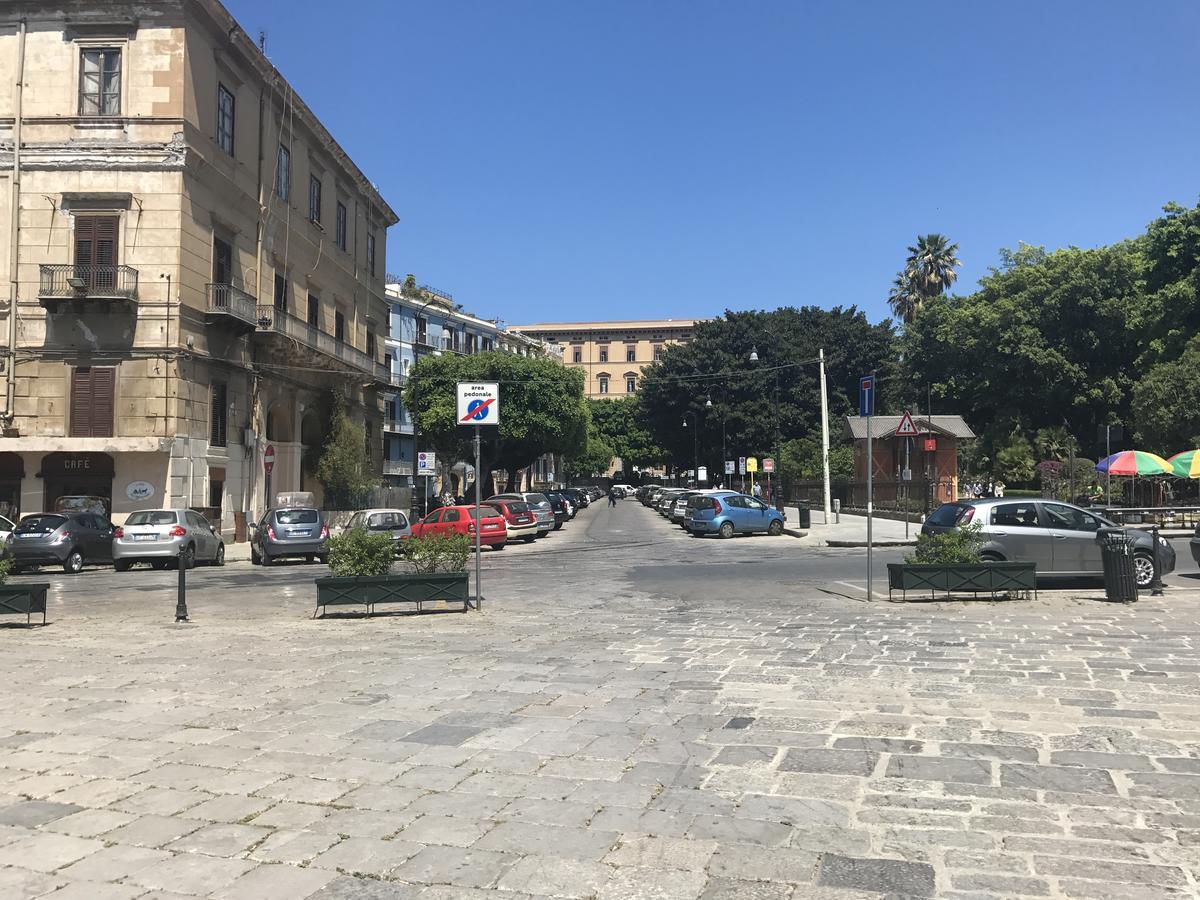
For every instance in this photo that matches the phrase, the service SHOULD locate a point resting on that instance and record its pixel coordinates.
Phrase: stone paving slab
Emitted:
(618, 742)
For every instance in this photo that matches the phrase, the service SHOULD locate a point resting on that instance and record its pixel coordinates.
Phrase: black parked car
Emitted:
(581, 499)
(558, 503)
(61, 539)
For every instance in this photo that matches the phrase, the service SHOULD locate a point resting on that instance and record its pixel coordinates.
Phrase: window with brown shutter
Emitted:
(96, 250)
(92, 401)
(219, 418)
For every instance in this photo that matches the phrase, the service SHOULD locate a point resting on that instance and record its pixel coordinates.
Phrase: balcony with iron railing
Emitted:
(397, 467)
(278, 321)
(229, 305)
(71, 282)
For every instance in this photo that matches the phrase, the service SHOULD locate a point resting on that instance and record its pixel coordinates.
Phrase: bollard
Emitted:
(181, 614)
(1156, 588)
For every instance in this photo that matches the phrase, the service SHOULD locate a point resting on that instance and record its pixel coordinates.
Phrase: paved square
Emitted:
(617, 722)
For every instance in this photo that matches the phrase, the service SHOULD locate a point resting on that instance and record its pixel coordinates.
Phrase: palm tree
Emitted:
(931, 264)
(904, 299)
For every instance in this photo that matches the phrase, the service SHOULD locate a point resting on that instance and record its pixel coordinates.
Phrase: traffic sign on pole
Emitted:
(751, 464)
(426, 463)
(866, 395)
(269, 458)
(768, 465)
(741, 465)
(907, 428)
(729, 466)
(478, 403)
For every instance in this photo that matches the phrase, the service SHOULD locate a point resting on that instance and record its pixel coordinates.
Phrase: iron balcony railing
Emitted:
(71, 282)
(397, 467)
(275, 320)
(231, 301)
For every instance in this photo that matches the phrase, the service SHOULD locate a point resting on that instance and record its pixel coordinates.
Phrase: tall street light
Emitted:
(416, 405)
(696, 444)
(820, 360)
(708, 404)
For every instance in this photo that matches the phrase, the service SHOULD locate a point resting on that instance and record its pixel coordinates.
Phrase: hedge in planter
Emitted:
(950, 562)
(361, 564)
(22, 599)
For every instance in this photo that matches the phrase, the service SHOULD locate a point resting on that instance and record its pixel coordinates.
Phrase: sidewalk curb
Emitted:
(873, 543)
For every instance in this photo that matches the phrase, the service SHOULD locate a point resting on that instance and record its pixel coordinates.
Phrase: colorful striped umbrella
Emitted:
(1135, 462)
(1186, 464)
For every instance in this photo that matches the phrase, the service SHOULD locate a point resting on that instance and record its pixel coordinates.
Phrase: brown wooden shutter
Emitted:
(92, 401)
(218, 435)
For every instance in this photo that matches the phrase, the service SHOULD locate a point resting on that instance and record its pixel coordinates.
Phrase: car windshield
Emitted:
(40, 524)
(152, 517)
(516, 506)
(485, 512)
(296, 516)
(537, 500)
(947, 514)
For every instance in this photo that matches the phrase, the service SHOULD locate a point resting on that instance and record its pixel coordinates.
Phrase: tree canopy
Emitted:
(542, 408)
(776, 396)
(1071, 338)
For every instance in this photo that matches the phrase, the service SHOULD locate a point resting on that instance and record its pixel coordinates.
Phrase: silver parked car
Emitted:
(1058, 537)
(382, 521)
(294, 531)
(157, 536)
(539, 503)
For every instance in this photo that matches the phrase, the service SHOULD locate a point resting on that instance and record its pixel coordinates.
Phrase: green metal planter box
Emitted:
(368, 591)
(975, 578)
(24, 600)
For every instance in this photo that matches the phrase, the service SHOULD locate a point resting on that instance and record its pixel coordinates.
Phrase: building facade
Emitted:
(612, 354)
(424, 320)
(194, 267)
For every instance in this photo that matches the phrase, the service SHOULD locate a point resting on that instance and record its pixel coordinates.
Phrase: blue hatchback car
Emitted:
(727, 514)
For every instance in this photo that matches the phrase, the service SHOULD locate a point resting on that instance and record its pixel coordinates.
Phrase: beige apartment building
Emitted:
(194, 265)
(612, 354)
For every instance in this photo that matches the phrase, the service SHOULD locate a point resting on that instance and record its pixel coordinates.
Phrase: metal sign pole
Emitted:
(907, 476)
(870, 497)
(478, 529)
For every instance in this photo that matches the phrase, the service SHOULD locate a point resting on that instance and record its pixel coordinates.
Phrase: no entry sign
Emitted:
(269, 458)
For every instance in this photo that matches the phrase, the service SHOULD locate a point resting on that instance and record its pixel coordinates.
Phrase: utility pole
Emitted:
(825, 437)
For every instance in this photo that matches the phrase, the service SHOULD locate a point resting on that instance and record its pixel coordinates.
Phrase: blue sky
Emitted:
(575, 160)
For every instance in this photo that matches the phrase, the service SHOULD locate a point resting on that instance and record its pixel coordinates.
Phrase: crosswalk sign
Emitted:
(907, 427)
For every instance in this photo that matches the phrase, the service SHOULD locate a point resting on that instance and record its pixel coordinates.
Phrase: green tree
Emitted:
(904, 298)
(777, 395)
(621, 423)
(1165, 412)
(542, 408)
(345, 469)
(801, 459)
(594, 459)
(1015, 460)
(931, 264)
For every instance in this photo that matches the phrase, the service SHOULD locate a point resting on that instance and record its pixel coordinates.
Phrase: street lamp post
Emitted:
(695, 444)
(708, 404)
(820, 360)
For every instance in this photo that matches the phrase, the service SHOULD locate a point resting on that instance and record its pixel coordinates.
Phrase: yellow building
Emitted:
(194, 266)
(612, 354)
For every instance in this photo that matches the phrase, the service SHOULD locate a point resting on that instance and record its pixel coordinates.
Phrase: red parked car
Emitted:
(522, 523)
(461, 520)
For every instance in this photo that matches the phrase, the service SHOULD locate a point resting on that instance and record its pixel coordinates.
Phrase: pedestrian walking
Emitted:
(612, 496)
(757, 490)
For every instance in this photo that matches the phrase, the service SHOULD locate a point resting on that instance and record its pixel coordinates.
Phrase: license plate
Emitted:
(144, 537)
(490, 527)
(28, 535)
(300, 533)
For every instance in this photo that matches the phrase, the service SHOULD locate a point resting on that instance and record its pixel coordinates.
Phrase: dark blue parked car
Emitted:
(726, 513)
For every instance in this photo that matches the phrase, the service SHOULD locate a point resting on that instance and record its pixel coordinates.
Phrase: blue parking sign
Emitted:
(866, 395)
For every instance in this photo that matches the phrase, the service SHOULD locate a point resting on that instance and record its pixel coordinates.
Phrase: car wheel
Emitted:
(122, 565)
(255, 558)
(189, 558)
(498, 546)
(775, 528)
(530, 539)
(557, 526)
(73, 564)
(219, 559)
(158, 564)
(323, 559)
(309, 558)
(1143, 569)
(266, 559)
(991, 557)
(726, 529)
(15, 570)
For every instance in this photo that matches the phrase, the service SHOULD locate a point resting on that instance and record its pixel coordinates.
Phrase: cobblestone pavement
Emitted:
(600, 730)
